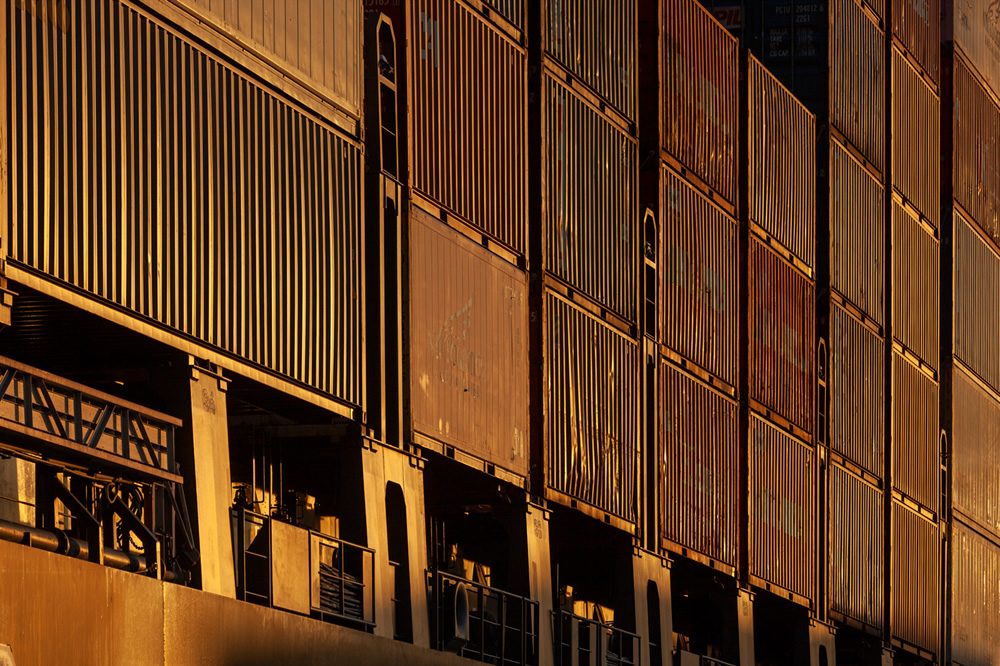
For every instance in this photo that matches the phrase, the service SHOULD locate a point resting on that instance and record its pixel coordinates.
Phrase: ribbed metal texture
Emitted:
(793, 38)
(916, 578)
(782, 315)
(699, 260)
(158, 178)
(318, 41)
(975, 598)
(699, 76)
(468, 345)
(591, 409)
(973, 24)
(917, 24)
(916, 286)
(591, 206)
(975, 455)
(857, 542)
(468, 109)
(976, 151)
(857, 223)
(857, 391)
(782, 145)
(976, 316)
(857, 79)
(916, 140)
(782, 509)
(916, 445)
(597, 41)
(512, 10)
(698, 466)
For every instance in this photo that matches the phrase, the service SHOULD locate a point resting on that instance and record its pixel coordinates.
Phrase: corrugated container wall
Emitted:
(916, 286)
(782, 170)
(917, 25)
(857, 392)
(916, 578)
(197, 198)
(468, 345)
(857, 538)
(916, 445)
(698, 466)
(974, 30)
(975, 455)
(591, 410)
(976, 315)
(512, 10)
(468, 118)
(782, 509)
(591, 204)
(699, 261)
(317, 41)
(792, 43)
(597, 41)
(857, 215)
(916, 140)
(699, 74)
(782, 314)
(975, 598)
(976, 151)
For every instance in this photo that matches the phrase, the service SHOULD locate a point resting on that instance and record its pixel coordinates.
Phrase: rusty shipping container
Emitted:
(916, 140)
(976, 150)
(975, 455)
(182, 189)
(857, 223)
(916, 286)
(699, 76)
(856, 565)
(591, 410)
(468, 345)
(782, 312)
(698, 453)
(975, 597)
(782, 509)
(915, 608)
(699, 263)
(597, 40)
(468, 118)
(591, 200)
(917, 26)
(976, 315)
(782, 154)
(857, 392)
(974, 24)
(916, 444)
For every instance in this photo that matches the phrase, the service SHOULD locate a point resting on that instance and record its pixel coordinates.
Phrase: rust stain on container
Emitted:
(782, 311)
(975, 455)
(699, 260)
(857, 391)
(917, 25)
(916, 445)
(976, 316)
(782, 509)
(782, 181)
(591, 203)
(974, 25)
(468, 118)
(591, 410)
(468, 345)
(699, 76)
(698, 466)
(976, 150)
(916, 140)
(916, 286)
(183, 190)
(857, 216)
(975, 598)
(916, 579)
(857, 543)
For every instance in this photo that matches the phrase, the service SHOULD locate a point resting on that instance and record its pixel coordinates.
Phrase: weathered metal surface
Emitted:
(976, 316)
(512, 10)
(975, 455)
(782, 311)
(468, 345)
(973, 25)
(916, 140)
(782, 169)
(592, 410)
(699, 261)
(856, 565)
(857, 391)
(782, 509)
(468, 118)
(597, 41)
(916, 579)
(857, 222)
(975, 597)
(182, 190)
(591, 200)
(319, 41)
(916, 286)
(975, 150)
(697, 464)
(917, 25)
(699, 75)
(916, 445)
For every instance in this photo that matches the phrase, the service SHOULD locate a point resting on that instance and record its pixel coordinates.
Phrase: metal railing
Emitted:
(503, 627)
(586, 642)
